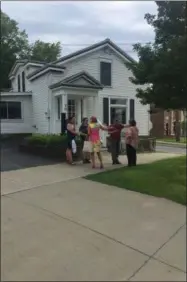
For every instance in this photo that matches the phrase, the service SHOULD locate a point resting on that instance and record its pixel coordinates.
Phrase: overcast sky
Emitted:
(80, 23)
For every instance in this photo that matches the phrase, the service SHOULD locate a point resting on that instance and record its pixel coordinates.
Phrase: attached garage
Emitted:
(16, 112)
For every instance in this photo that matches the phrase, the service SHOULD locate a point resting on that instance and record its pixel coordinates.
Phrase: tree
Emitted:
(162, 66)
(14, 45)
(46, 52)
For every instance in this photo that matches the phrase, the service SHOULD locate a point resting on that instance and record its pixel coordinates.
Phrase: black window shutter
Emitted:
(19, 83)
(105, 73)
(23, 81)
(132, 116)
(105, 110)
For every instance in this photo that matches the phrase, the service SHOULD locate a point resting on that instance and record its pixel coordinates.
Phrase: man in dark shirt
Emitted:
(84, 130)
(115, 137)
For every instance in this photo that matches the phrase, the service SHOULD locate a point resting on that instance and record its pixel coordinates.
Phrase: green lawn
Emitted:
(165, 178)
(172, 139)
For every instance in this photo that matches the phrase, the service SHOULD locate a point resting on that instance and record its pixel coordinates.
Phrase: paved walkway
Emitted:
(57, 226)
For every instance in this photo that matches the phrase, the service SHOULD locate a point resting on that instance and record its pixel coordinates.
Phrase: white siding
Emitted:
(121, 86)
(41, 103)
(42, 100)
(25, 125)
(28, 86)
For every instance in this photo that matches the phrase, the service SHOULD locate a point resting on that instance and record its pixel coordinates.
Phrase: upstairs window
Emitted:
(10, 110)
(23, 81)
(105, 73)
(19, 83)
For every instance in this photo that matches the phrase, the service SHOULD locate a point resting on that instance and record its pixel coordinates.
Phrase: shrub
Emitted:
(47, 140)
(146, 144)
(50, 146)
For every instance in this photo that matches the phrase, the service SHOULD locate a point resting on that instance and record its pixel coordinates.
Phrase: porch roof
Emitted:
(15, 94)
(72, 81)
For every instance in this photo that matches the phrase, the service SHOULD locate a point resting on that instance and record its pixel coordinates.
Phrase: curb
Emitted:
(168, 144)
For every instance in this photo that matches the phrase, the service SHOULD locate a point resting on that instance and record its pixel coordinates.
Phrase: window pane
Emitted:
(118, 101)
(118, 113)
(14, 110)
(3, 110)
(71, 108)
(105, 73)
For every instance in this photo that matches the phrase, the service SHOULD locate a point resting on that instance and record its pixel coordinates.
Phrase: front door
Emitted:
(71, 108)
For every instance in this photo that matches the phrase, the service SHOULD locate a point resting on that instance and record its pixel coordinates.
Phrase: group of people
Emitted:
(89, 133)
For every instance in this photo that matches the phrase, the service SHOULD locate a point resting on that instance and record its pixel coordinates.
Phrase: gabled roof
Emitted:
(45, 67)
(106, 42)
(23, 62)
(70, 81)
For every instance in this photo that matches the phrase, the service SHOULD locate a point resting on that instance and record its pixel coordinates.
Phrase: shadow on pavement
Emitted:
(12, 159)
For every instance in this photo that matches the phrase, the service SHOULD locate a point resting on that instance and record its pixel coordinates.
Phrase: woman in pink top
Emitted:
(94, 137)
(131, 139)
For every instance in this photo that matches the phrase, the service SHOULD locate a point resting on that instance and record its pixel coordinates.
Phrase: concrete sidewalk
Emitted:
(57, 229)
(28, 178)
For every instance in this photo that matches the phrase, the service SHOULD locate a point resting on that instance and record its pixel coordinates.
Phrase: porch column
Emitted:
(78, 112)
(84, 104)
(63, 113)
(95, 106)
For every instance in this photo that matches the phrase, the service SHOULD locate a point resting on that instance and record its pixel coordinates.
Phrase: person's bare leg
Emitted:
(87, 157)
(69, 156)
(100, 159)
(93, 160)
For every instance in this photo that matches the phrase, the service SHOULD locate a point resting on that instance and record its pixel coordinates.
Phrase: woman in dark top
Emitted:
(71, 134)
(83, 130)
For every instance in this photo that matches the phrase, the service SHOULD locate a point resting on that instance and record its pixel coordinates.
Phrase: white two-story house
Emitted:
(92, 81)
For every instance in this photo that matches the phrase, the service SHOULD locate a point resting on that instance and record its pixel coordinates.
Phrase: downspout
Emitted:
(49, 110)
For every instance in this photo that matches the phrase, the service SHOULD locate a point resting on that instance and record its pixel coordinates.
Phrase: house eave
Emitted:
(15, 94)
(33, 64)
(77, 86)
(41, 73)
(16, 65)
(105, 43)
(26, 62)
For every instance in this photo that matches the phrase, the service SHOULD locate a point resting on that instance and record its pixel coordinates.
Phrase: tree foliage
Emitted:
(162, 66)
(46, 52)
(15, 45)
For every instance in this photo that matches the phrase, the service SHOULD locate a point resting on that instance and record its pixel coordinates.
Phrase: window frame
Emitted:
(12, 119)
(107, 62)
(121, 106)
(71, 104)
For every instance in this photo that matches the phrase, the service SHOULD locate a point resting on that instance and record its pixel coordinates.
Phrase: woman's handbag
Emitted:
(87, 147)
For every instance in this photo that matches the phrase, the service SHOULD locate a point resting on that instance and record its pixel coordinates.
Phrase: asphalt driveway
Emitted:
(12, 159)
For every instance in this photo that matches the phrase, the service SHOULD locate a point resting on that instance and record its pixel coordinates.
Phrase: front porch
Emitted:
(77, 96)
(78, 104)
